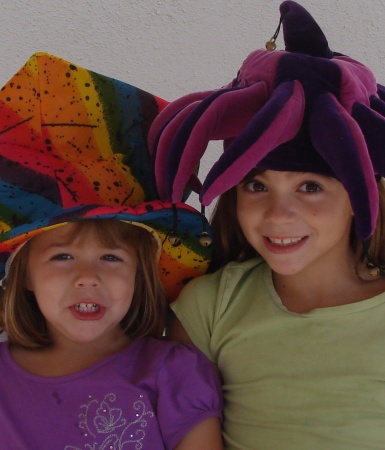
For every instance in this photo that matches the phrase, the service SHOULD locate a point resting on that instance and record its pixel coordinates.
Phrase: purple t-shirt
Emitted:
(148, 396)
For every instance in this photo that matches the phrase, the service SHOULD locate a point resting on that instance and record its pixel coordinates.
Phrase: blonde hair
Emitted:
(20, 316)
(231, 244)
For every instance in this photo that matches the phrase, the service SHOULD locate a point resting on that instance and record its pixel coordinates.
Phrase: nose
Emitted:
(279, 209)
(86, 277)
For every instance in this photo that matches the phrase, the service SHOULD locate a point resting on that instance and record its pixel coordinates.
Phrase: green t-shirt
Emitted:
(290, 381)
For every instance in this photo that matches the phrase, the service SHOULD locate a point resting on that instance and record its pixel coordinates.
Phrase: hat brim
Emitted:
(177, 264)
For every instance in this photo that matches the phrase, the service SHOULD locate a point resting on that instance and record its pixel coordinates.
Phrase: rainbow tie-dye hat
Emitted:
(73, 146)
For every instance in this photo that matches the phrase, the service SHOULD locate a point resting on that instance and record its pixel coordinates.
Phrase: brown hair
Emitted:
(373, 250)
(231, 244)
(20, 316)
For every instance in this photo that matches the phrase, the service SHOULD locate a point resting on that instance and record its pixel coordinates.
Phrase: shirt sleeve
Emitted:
(196, 309)
(189, 392)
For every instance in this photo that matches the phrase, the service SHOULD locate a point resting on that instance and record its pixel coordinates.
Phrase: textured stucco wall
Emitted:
(171, 47)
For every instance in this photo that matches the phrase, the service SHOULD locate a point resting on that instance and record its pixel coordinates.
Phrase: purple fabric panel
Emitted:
(118, 403)
(194, 184)
(260, 65)
(163, 146)
(357, 82)
(372, 125)
(224, 118)
(177, 147)
(301, 33)
(343, 144)
(160, 122)
(381, 91)
(278, 121)
(315, 74)
(296, 155)
(377, 104)
(168, 112)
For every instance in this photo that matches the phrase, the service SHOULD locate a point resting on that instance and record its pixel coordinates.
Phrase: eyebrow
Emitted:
(54, 245)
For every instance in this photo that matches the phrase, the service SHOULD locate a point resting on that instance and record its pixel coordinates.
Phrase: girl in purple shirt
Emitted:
(88, 257)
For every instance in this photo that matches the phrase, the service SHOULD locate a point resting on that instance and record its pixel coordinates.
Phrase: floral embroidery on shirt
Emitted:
(102, 418)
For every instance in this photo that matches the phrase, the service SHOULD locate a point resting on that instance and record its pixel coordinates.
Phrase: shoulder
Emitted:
(183, 364)
(171, 358)
(4, 349)
(217, 287)
(177, 364)
(203, 302)
(234, 271)
(4, 352)
(170, 352)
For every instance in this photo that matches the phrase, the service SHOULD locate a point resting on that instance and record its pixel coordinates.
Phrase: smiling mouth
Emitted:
(285, 242)
(87, 307)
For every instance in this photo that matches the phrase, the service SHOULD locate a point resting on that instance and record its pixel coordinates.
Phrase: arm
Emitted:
(205, 436)
(190, 402)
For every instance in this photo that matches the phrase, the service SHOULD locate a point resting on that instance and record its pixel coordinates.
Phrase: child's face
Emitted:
(83, 289)
(295, 220)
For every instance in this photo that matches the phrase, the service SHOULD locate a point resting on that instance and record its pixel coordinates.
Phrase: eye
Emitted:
(111, 258)
(310, 187)
(61, 257)
(254, 186)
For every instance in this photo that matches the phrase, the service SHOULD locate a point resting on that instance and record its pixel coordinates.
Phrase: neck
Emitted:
(335, 284)
(66, 358)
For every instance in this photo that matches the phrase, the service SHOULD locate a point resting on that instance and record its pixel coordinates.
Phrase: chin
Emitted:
(284, 268)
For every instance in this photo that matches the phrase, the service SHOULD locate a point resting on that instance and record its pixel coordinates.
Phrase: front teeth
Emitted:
(87, 307)
(285, 241)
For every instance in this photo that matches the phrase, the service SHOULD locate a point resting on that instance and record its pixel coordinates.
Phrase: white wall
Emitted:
(171, 47)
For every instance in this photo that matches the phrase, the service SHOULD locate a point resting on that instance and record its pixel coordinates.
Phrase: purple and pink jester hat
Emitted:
(304, 109)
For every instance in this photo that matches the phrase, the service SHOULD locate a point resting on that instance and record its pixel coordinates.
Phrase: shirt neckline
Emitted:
(349, 308)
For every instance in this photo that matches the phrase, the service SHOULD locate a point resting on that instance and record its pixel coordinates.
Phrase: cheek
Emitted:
(243, 219)
(32, 281)
(124, 282)
(28, 283)
(244, 208)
